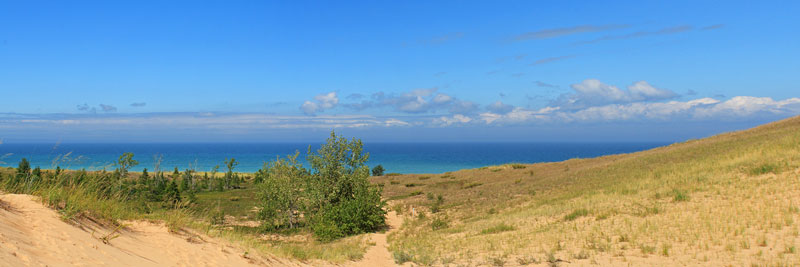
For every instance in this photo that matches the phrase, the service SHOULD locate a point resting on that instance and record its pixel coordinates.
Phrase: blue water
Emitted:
(395, 157)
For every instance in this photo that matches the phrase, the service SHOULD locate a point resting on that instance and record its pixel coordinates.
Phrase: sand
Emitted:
(34, 235)
(378, 255)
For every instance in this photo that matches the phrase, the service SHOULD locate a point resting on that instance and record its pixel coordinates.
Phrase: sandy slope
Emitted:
(34, 235)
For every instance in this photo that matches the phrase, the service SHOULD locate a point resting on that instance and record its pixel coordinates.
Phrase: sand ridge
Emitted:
(34, 235)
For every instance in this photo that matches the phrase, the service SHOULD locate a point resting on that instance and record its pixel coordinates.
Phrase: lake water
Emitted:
(395, 157)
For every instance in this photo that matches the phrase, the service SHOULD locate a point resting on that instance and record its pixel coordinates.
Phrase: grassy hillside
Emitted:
(729, 199)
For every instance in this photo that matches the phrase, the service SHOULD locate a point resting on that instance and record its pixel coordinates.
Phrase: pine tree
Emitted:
(172, 196)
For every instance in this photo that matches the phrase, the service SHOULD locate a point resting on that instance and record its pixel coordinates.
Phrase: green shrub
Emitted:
(518, 166)
(378, 170)
(439, 223)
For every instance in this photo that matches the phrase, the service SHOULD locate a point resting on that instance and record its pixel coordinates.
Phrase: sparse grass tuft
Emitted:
(501, 227)
(471, 185)
(679, 195)
(764, 169)
(439, 223)
(576, 214)
(401, 257)
(518, 166)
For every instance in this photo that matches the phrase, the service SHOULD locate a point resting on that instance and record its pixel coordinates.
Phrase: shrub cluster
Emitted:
(334, 196)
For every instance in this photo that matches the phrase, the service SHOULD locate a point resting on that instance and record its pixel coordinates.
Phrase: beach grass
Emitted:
(731, 199)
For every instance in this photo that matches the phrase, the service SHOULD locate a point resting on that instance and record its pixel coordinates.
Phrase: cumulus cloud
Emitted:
(138, 104)
(108, 108)
(558, 32)
(321, 103)
(593, 92)
(742, 106)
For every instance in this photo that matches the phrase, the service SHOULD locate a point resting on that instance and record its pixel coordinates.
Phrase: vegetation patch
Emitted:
(518, 166)
(499, 228)
(401, 257)
(576, 214)
(764, 169)
(471, 185)
(439, 223)
(679, 195)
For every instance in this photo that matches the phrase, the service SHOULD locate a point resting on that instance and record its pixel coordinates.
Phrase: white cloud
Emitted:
(593, 92)
(702, 109)
(321, 103)
(740, 106)
(455, 119)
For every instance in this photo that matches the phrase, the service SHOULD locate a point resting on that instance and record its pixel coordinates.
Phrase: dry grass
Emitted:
(729, 199)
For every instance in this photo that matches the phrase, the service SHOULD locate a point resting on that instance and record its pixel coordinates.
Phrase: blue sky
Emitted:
(258, 71)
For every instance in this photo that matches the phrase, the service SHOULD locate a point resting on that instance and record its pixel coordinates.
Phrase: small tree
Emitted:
(125, 162)
(230, 164)
(172, 196)
(342, 201)
(378, 170)
(281, 192)
(144, 177)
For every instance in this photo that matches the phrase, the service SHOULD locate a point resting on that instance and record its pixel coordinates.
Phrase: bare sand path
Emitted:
(378, 255)
(34, 235)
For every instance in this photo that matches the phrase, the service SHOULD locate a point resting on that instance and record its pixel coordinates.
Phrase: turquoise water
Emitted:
(395, 157)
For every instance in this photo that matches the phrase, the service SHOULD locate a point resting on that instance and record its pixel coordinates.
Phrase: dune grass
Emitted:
(729, 199)
(77, 203)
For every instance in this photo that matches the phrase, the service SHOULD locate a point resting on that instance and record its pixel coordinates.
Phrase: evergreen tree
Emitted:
(172, 196)
(144, 177)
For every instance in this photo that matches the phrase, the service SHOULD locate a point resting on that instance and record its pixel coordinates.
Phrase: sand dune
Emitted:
(34, 235)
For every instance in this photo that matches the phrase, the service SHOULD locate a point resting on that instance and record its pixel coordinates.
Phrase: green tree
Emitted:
(281, 192)
(24, 167)
(144, 177)
(125, 162)
(230, 164)
(186, 181)
(172, 196)
(378, 170)
(342, 202)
